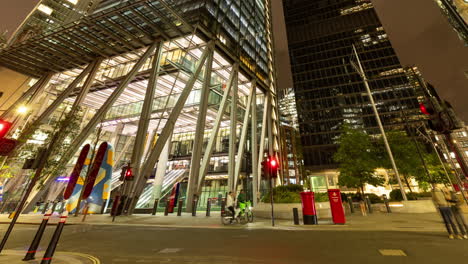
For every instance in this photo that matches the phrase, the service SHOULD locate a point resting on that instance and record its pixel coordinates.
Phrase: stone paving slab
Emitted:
(16, 256)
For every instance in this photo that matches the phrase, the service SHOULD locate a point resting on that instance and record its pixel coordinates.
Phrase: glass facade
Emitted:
(329, 92)
(457, 14)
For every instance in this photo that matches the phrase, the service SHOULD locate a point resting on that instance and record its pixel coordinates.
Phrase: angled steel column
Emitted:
(145, 115)
(194, 175)
(169, 127)
(255, 155)
(91, 69)
(243, 138)
(233, 135)
(161, 170)
(217, 125)
(261, 152)
(39, 85)
(107, 105)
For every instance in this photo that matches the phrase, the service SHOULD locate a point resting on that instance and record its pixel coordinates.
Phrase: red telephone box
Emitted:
(336, 206)
(309, 212)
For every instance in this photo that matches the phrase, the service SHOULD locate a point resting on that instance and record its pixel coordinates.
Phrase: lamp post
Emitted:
(359, 69)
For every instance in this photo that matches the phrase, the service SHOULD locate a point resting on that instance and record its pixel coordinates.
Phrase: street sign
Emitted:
(96, 166)
(7, 146)
(76, 171)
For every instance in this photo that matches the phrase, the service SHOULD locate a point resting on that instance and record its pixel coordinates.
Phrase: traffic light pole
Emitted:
(361, 72)
(42, 158)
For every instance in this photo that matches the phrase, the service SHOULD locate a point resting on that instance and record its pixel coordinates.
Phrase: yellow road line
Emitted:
(93, 259)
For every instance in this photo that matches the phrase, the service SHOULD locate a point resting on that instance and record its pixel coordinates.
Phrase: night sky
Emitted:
(419, 32)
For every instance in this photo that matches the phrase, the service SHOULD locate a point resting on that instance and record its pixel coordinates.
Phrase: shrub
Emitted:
(395, 195)
(285, 194)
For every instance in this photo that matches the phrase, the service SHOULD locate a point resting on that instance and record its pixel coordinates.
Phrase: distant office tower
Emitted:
(329, 92)
(457, 14)
(50, 14)
(184, 91)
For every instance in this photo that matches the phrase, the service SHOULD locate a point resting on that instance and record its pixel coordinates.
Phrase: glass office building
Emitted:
(457, 14)
(329, 92)
(180, 88)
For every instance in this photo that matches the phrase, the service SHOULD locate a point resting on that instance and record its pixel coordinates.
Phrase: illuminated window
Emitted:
(45, 9)
(73, 1)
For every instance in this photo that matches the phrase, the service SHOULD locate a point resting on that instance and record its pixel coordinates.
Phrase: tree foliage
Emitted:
(356, 159)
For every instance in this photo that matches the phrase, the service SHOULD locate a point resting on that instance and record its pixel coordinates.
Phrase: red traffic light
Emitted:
(423, 109)
(128, 174)
(4, 128)
(273, 163)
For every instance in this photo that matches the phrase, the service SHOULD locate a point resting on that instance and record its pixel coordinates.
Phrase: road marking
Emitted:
(392, 252)
(93, 259)
(170, 250)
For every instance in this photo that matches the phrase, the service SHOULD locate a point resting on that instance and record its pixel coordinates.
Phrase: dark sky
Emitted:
(418, 31)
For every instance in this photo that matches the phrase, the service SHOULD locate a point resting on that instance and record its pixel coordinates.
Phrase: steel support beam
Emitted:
(199, 134)
(168, 128)
(217, 125)
(261, 152)
(107, 105)
(91, 71)
(39, 85)
(243, 138)
(161, 170)
(233, 135)
(255, 175)
(146, 111)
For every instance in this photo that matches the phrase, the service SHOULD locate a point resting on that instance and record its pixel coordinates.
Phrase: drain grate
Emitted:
(392, 252)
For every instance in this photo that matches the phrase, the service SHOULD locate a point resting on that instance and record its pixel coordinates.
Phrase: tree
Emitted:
(356, 158)
(437, 172)
(405, 154)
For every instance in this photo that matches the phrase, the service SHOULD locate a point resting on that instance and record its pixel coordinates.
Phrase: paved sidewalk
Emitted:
(16, 256)
(430, 222)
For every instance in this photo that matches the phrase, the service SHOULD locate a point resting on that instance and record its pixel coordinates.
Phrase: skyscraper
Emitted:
(184, 90)
(457, 14)
(329, 92)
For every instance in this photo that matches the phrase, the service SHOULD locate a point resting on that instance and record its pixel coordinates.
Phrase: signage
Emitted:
(336, 206)
(96, 166)
(76, 171)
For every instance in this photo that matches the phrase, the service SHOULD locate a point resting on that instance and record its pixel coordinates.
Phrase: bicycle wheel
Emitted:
(243, 219)
(250, 216)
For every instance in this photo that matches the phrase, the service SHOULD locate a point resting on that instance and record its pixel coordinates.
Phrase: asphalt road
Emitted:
(142, 244)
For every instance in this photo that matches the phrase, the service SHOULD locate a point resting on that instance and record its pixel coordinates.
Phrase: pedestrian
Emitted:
(440, 200)
(458, 214)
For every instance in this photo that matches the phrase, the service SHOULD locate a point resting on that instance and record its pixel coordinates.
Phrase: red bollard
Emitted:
(37, 239)
(55, 238)
(336, 205)
(308, 208)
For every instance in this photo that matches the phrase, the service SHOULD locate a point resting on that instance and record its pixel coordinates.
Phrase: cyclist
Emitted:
(230, 204)
(241, 198)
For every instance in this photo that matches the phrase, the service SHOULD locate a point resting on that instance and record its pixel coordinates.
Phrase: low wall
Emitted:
(412, 207)
(285, 211)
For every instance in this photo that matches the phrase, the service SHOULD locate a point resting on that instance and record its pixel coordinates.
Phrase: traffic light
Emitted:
(4, 128)
(129, 174)
(265, 169)
(273, 165)
(442, 117)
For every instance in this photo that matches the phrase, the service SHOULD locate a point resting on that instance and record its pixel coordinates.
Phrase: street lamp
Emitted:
(22, 110)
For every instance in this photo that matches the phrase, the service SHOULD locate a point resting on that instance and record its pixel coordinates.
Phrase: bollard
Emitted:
(55, 238)
(223, 207)
(179, 207)
(54, 205)
(369, 204)
(44, 210)
(208, 207)
(103, 207)
(166, 210)
(155, 206)
(350, 202)
(389, 210)
(85, 212)
(37, 238)
(296, 216)
(194, 207)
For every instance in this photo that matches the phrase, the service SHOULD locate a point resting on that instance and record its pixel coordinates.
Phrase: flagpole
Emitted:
(361, 72)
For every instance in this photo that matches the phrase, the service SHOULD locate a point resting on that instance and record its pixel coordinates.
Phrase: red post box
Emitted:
(309, 212)
(336, 206)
